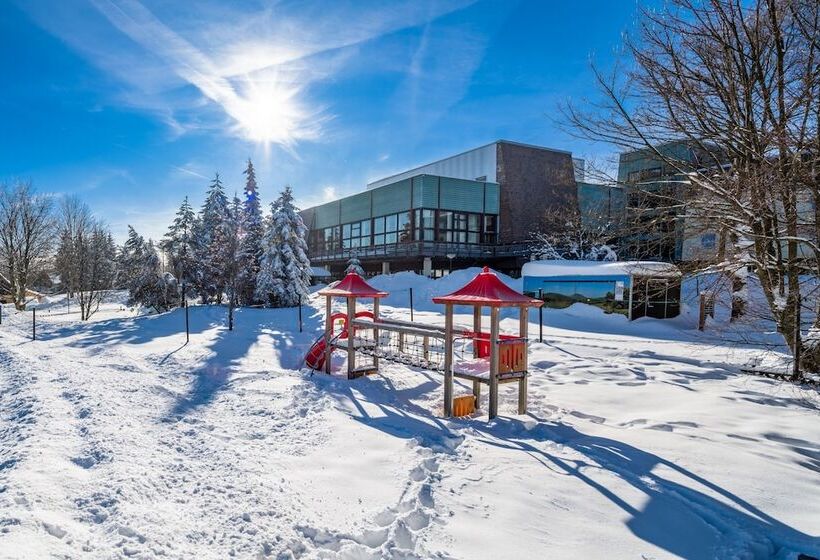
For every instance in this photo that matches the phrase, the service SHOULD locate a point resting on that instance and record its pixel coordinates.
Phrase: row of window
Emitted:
(419, 225)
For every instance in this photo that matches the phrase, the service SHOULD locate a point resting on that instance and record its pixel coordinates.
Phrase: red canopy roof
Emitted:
(352, 285)
(486, 289)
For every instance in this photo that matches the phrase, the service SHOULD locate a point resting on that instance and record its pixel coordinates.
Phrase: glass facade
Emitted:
(422, 209)
(422, 224)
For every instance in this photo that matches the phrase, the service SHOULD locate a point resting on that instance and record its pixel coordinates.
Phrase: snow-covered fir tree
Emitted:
(252, 233)
(210, 232)
(140, 266)
(179, 244)
(354, 264)
(130, 258)
(284, 274)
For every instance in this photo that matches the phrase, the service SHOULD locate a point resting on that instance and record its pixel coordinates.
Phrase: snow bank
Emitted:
(425, 289)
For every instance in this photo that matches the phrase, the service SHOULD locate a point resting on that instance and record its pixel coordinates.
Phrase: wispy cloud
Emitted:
(244, 69)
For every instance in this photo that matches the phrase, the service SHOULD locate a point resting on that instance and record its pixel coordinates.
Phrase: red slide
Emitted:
(315, 358)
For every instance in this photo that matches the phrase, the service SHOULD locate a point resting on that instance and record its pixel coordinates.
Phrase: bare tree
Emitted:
(26, 232)
(573, 235)
(85, 256)
(738, 83)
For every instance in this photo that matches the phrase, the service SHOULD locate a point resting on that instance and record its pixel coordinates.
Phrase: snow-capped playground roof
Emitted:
(486, 289)
(598, 268)
(352, 285)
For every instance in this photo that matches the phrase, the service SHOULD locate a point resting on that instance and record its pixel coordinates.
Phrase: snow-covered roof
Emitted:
(319, 272)
(352, 285)
(598, 268)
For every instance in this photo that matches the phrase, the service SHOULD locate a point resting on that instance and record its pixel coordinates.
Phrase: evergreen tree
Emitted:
(179, 244)
(130, 259)
(147, 285)
(284, 274)
(252, 233)
(210, 233)
(354, 264)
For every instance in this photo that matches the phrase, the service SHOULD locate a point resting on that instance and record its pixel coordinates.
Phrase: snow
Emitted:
(550, 268)
(643, 440)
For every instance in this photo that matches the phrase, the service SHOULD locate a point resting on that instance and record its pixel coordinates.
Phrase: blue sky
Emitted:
(134, 105)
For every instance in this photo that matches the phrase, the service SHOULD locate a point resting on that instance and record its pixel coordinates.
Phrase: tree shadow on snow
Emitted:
(377, 403)
(274, 327)
(683, 513)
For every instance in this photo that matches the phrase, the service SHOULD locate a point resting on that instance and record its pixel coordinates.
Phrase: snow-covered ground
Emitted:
(642, 440)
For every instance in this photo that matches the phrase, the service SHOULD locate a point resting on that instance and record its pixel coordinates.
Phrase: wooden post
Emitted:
(448, 359)
(477, 331)
(523, 327)
(476, 328)
(426, 347)
(351, 348)
(375, 333)
(702, 312)
(493, 362)
(328, 332)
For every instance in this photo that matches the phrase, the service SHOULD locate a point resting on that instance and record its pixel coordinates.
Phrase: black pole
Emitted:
(411, 304)
(1, 313)
(185, 303)
(300, 312)
(540, 317)
(34, 324)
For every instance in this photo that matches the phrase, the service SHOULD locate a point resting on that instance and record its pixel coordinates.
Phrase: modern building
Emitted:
(655, 206)
(477, 207)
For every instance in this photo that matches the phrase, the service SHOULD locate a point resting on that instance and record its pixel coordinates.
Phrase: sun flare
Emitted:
(267, 112)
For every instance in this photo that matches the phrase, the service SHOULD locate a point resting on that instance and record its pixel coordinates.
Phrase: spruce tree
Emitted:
(284, 274)
(354, 264)
(179, 244)
(252, 231)
(141, 272)
(211, 231)
(130, 258)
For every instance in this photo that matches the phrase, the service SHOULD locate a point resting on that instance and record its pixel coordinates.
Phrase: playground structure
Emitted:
(494, 358)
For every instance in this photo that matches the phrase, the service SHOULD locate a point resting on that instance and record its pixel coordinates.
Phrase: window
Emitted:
(392, 229)
(642, 175)
(425, 225)
(708, 240)
(356, 234)
(490, 229)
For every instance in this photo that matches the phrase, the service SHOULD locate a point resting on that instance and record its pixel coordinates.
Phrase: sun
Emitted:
(269, 112)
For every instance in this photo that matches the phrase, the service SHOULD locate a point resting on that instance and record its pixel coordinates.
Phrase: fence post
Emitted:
(185, 303)
(540, 317)
(300, 312)
(411, 305)
(702, 311)
(34, 324)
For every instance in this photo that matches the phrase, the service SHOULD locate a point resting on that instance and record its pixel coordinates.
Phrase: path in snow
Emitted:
(118, 441)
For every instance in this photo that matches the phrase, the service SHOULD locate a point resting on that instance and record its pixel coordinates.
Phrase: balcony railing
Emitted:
(425, 249)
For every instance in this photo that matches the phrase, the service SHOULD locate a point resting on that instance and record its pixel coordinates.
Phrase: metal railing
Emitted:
(425, 249)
